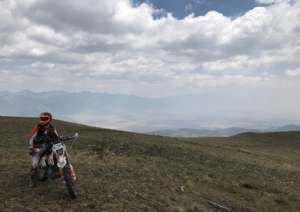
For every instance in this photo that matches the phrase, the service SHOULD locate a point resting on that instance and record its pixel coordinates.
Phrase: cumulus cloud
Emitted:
(266, 1)
(272, 1)
(291, 73)
(109, 43)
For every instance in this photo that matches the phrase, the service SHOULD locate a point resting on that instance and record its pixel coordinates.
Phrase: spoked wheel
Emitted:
(70, 183)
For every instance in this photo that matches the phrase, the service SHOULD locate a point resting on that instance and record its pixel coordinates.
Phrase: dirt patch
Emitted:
(280, 202)
(247, 186)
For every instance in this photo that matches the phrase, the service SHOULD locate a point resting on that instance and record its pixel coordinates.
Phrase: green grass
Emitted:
(124, 171)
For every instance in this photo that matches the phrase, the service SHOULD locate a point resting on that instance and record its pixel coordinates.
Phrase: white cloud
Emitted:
(200, 2)
(266, 1)
(214, 81)
(271, 1)
(239, 63)
(37, 52)
(109, 43)
(291, 73)
(188, 8)
(9, 77)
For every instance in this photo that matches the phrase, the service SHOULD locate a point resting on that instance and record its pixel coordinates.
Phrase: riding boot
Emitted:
(32, 178)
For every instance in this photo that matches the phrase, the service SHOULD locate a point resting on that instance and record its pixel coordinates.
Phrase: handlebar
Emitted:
(69, 138)
(61, 139)
(40, 150)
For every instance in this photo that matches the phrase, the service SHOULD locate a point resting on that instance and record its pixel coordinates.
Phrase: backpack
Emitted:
(44, 135)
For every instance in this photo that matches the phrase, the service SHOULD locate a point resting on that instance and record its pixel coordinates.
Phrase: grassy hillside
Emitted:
(123, 171)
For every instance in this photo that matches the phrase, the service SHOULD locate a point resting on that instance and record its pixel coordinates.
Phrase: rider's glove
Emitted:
(31, 152)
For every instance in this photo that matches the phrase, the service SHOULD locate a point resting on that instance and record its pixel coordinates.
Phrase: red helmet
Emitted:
(45, 118)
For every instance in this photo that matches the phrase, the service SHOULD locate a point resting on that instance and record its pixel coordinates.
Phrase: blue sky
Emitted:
(180, 8)
(14, 64)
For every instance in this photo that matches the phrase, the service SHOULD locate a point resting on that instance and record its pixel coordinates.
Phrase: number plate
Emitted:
(57, 146)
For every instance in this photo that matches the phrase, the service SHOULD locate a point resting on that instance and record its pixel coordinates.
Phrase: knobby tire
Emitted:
(69, 182)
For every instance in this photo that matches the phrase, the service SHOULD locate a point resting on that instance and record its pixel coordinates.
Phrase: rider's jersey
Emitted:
(35, 141)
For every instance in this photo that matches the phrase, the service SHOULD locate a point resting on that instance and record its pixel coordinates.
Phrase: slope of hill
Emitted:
(124, 171)
(185, 132)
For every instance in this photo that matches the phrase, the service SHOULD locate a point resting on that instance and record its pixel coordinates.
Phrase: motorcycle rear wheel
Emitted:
(70, 183)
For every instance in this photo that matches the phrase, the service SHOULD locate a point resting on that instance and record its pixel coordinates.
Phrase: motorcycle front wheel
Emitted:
(70, 183)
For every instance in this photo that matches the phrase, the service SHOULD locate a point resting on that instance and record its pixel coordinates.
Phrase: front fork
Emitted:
(68, 159)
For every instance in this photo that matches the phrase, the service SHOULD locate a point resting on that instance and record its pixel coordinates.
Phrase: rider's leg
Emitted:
(33, 167)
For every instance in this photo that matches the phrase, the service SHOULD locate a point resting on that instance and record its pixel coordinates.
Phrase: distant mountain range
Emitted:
(133, 113)
(184, 132)
(27, 103)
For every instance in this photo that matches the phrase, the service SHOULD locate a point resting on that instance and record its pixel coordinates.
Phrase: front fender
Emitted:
(61, 161)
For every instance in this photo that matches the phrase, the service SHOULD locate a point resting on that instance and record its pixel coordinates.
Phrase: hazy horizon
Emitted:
(140, 114)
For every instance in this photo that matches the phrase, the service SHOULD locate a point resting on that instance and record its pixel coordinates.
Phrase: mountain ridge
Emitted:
(189, 132)
(142, 114)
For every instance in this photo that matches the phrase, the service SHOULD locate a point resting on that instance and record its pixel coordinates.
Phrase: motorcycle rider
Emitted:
(42, 134)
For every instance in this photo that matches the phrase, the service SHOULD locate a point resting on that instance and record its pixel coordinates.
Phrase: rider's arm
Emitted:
(32, 137)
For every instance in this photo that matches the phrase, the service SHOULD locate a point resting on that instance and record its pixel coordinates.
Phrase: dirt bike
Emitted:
(55, 159)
